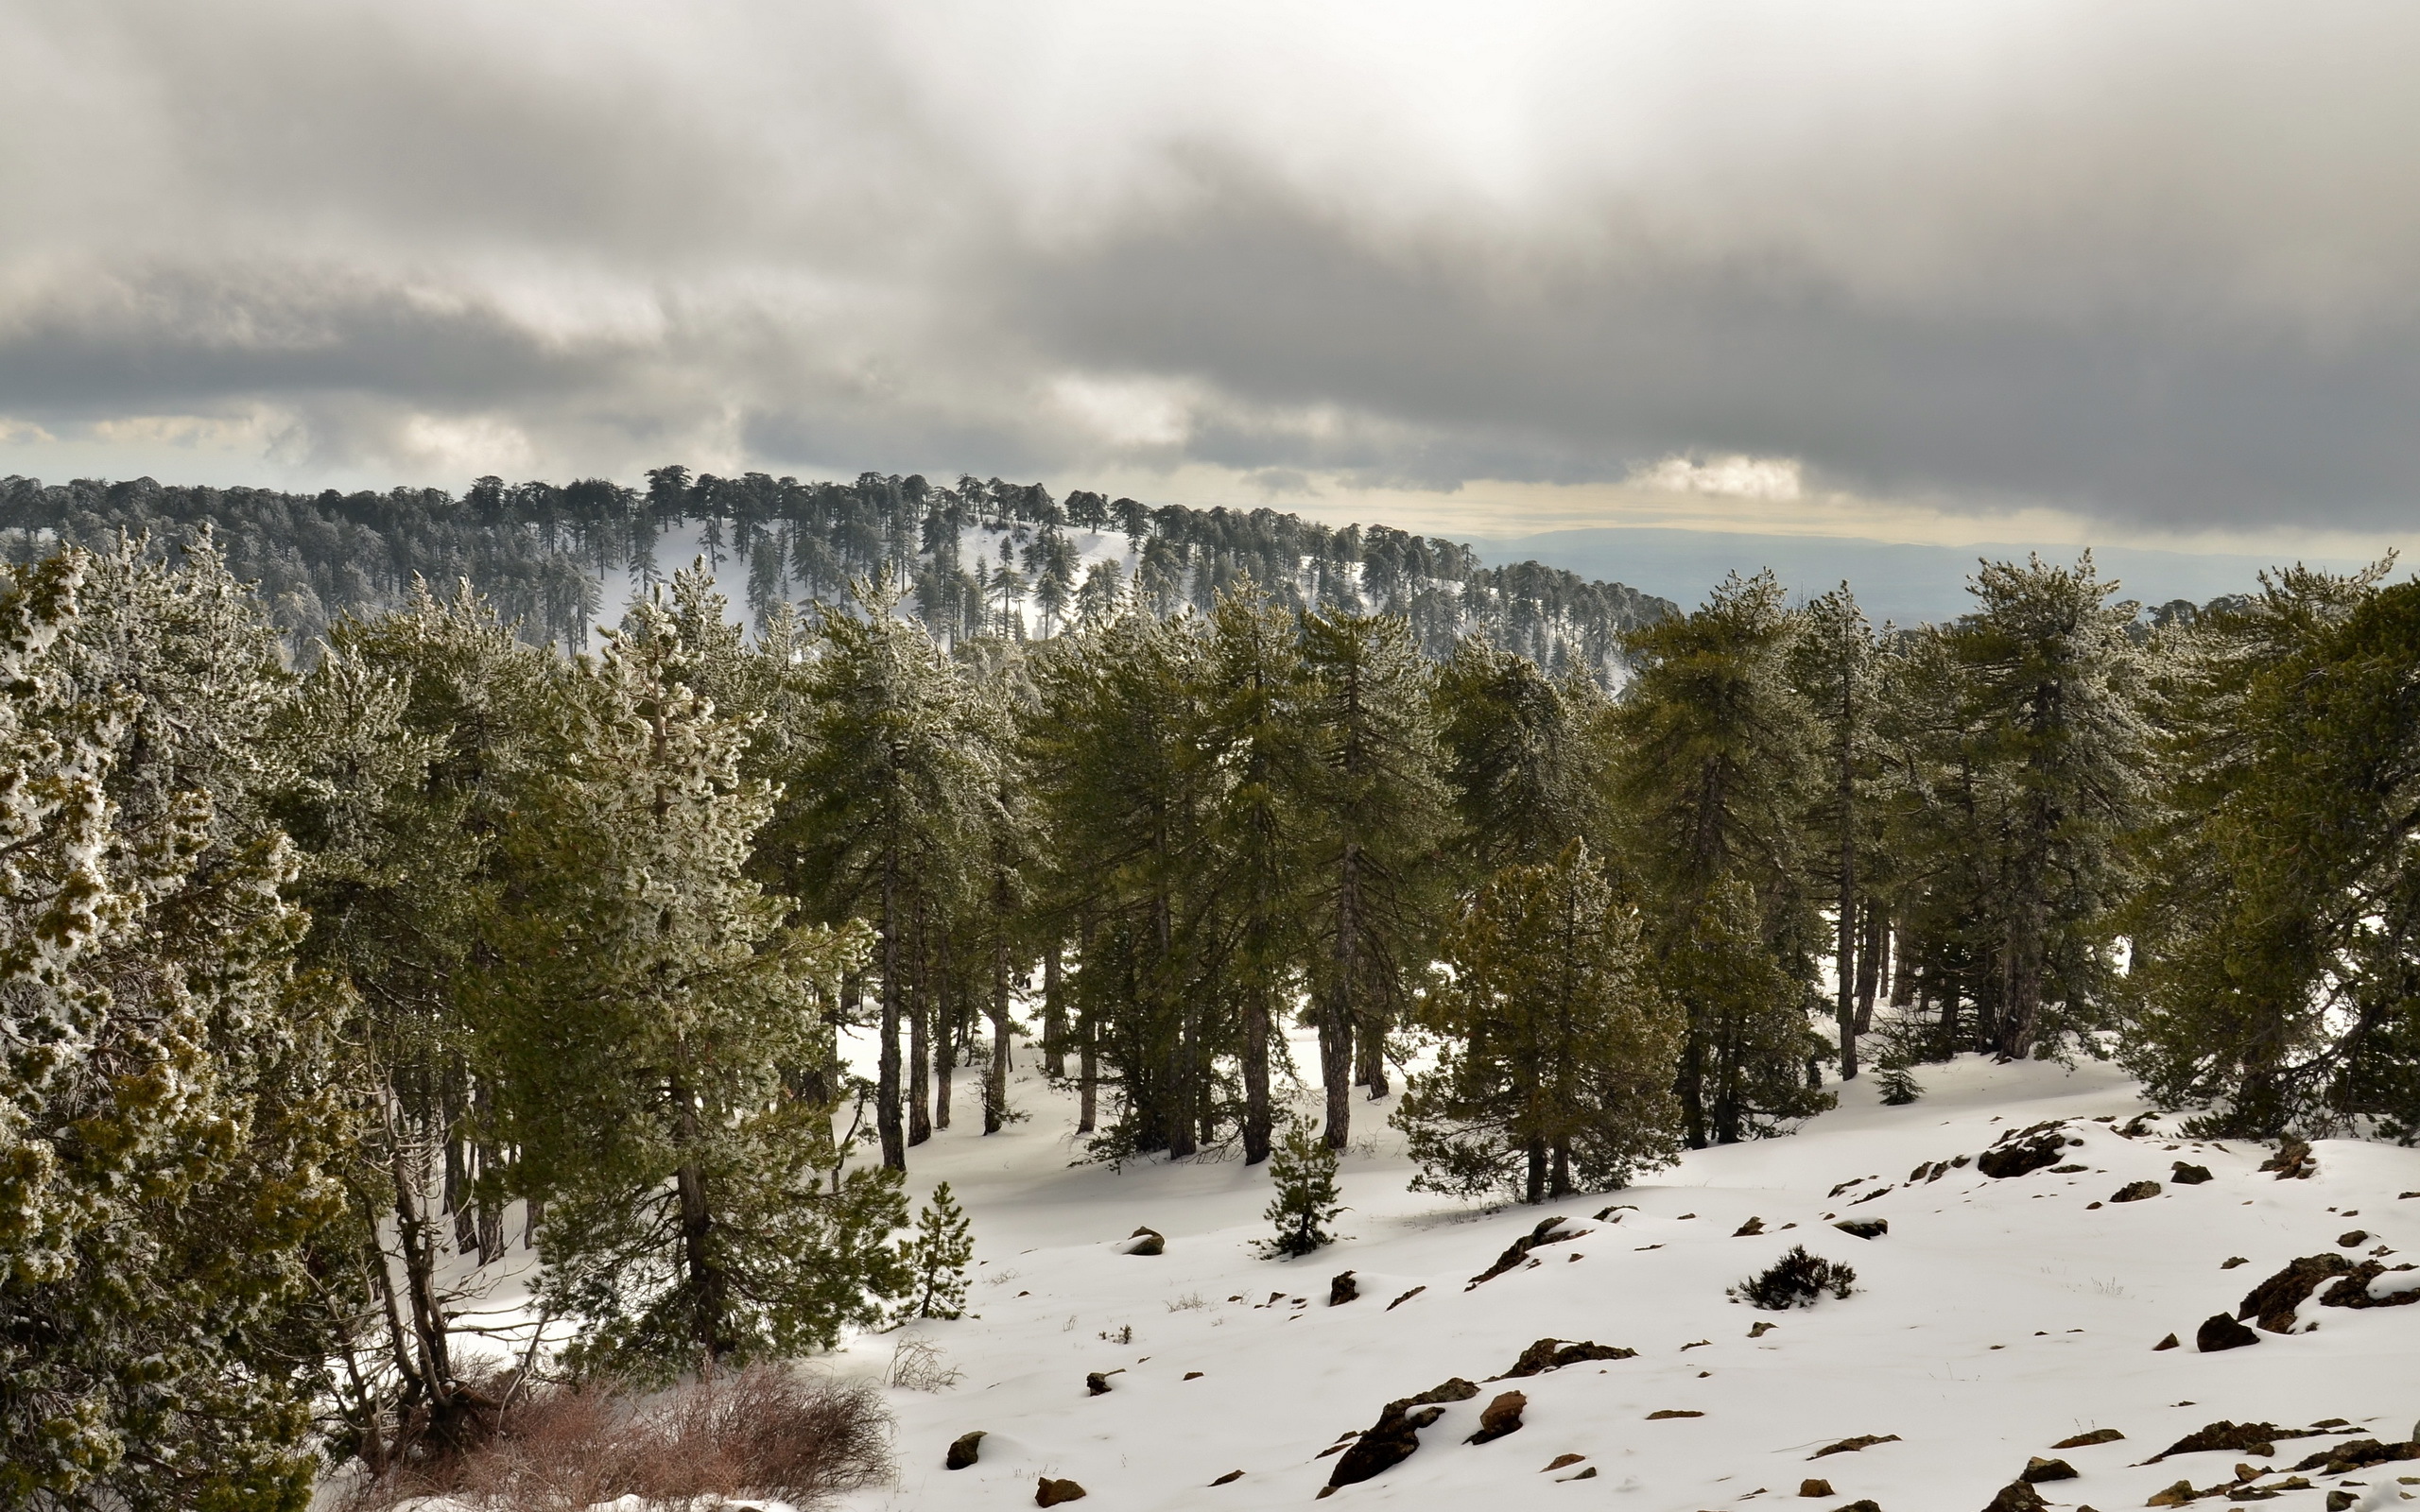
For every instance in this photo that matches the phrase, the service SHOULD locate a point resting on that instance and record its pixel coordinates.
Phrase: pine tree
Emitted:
(1715, 768)
(2275, 947)
(936, 1259)
(1378, 817)
(1525, 758)
(2051, 684)
(407, 751)
(167, 1113)
(1128, 799)
(1834, 670)
(889, 798)
(1308, 1200)
(639, 1007)
(1556, 1064)
(1252, 726)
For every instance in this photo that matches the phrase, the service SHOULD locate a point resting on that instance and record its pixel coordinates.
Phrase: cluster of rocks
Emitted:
(1544, 1233)
(2275, 1302)
(1395, 1437)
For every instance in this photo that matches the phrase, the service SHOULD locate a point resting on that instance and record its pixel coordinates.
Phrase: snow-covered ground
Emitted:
(1995, 1318)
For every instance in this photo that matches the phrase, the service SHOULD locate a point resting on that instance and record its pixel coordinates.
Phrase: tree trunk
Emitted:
(1371, 1053)
(894, 1145)
(1690, 1084)
(1873, 946)
(1336, 1019)
(919, 1050)
(1534, 1189)
(948, 996)
(457, 1186)
(2021, 1000)
(1257, 1117)
(1054, 1019)
(1559, 1172)
(1088, 1072)
(707, 1300)
(1844, 960)
(995, 1085)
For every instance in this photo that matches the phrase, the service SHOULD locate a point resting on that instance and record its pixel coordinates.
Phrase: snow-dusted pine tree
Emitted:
(1307, 1200)
(640, 1008)
(165, 1112)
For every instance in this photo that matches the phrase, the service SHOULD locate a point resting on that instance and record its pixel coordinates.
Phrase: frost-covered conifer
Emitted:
(165, 1113)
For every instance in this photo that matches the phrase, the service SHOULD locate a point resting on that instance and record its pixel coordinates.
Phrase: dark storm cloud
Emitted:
(2162, 266)
(2161, 407)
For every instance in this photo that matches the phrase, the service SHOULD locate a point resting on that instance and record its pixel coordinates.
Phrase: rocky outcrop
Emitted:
(1553, 1354)
(1542, 1234)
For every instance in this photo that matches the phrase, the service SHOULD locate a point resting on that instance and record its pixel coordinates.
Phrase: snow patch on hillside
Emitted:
(1993, 1319)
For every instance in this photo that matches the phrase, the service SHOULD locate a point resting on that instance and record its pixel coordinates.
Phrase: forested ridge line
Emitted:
(543, 553)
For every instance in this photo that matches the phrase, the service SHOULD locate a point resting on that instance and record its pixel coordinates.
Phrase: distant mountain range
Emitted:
(1893, 580)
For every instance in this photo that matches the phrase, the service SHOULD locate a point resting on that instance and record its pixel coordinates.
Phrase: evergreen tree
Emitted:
(639, 1007)
(936, 1258)
(1525, 758)
(1377, 817)
(1715, 768)
(2051, 679)
(2275, 949)
(1557, 1051)
(1834, 670)
(1253, 731)
(167, 1119)
(1307, 1200)
(407, 751)
(1128, 799)
(890, 797)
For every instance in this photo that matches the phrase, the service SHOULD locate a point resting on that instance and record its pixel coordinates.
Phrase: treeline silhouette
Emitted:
(544, 554)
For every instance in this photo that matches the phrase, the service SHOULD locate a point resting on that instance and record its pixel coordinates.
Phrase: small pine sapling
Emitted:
(1303, 1171)
(1796, 1279)
(937, 1256)
(1896, 1084)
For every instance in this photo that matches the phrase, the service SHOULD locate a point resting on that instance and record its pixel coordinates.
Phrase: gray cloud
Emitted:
(2158, 266)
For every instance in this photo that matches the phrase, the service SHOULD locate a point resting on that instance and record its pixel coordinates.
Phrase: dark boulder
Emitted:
(1500, 1417)
(1051, 1492)
(2187, 1175)
(2135, 1192)
(2021, 1151)
(963, 1450)
(2018, 1496)
(2220, 1331)
(1342, 1289)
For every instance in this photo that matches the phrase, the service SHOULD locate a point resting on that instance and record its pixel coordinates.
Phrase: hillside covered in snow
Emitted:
(1992, 1321)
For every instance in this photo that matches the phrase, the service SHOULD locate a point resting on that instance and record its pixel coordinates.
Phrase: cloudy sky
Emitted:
(2141, 273)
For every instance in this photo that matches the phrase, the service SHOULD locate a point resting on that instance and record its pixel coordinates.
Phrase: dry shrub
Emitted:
(765, 1432)
(919, 1366)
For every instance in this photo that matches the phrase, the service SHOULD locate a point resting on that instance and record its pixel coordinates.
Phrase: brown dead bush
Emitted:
(765, 1432)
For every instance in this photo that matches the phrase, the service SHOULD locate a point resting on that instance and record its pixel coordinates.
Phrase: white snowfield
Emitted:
(1995, 1318)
